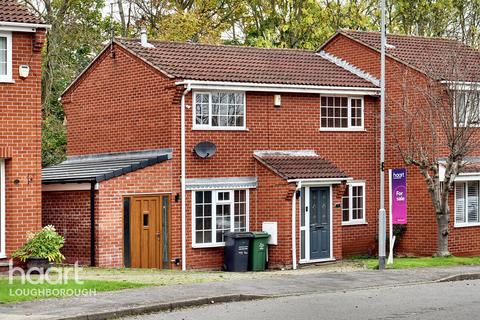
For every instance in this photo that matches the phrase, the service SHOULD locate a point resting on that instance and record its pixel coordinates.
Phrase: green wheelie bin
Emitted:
(258, 251)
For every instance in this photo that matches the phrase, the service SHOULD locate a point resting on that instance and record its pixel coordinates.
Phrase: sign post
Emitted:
(398, 203)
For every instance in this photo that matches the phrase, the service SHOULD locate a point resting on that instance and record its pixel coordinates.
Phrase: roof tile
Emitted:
(302, 167)
(193, 61)
(12, 11)
(442, 58)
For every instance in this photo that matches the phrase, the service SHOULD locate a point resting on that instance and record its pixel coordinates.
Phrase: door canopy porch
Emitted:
(303, 165)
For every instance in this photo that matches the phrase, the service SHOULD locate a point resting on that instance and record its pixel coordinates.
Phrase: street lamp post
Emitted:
(381, 212)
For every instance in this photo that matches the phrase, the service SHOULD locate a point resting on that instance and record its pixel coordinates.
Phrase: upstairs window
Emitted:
(219, 110)
(5, 57)
(341, 113)
(467, 104)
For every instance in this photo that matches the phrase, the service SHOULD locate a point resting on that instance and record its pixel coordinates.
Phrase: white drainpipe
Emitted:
(294, 225)
(183, 177)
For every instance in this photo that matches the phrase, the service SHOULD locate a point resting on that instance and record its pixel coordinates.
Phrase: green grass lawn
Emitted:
(17, 291)
(420, 262)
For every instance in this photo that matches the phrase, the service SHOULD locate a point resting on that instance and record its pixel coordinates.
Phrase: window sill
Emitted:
(467, 225)
(208, 245)
(355, 223)
(343, 129)
(7, 80)
(218, 129)
(2, 256)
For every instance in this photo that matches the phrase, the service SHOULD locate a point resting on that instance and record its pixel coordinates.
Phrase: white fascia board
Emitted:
(68, 187)
(322, 181)
(266, 87)
(462, 85)
(22, 27)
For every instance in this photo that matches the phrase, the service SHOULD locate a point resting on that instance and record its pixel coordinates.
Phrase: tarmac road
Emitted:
(451, 300)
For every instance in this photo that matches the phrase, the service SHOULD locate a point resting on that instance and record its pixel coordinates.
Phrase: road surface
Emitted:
(453, 300)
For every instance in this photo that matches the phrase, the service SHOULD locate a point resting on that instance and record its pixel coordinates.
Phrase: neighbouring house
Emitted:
(170, 145)
(22, 36)
(424, 59)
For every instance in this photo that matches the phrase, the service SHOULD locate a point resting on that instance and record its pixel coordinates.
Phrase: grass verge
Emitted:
(420, 262)
(17, 292)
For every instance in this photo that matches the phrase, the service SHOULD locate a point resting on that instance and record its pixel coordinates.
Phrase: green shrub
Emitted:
(45, 244)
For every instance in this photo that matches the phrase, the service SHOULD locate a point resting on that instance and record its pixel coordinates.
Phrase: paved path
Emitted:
(164, 298)
(431, 301)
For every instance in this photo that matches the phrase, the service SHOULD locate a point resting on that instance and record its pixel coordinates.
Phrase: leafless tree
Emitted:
(435, 126)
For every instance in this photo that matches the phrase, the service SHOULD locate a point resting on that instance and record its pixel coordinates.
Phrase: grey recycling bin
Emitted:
(237, 246)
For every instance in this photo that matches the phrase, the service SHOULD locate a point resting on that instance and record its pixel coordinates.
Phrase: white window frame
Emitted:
(214, 242)
(465, 199)
(352, 221)
(349, 114)
(209, 126)
(467, 112)
(8, 78)
(2, 209)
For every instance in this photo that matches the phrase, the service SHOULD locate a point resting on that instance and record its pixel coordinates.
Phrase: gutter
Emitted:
(267, 87)
(23, 27)
(183, 178)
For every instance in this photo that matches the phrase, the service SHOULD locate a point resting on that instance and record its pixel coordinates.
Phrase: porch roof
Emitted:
(300, 165)
(101, 167)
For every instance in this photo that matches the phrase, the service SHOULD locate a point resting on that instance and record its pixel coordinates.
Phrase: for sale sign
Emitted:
(398, 196)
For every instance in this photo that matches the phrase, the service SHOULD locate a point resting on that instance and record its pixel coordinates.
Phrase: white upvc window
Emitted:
(2, 209)
(467, 204)
(467, 108)
(215, 212)
(353, 204)
(341, 113)
(219, 110)
(6, 57)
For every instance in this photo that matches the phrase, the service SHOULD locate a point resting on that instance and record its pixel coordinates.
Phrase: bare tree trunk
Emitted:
(442, 233)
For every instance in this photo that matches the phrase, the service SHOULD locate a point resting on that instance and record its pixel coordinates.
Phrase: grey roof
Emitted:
(101, 167)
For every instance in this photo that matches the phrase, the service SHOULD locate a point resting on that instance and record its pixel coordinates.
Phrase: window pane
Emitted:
(472, 201)
(460, 202)
(201, 108)
(203, 216)
(3, 55)
(240, 213)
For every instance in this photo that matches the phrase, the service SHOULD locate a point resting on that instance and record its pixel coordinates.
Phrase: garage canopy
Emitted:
(103, 166)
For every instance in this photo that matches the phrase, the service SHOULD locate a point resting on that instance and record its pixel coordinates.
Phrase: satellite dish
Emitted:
(205, 149)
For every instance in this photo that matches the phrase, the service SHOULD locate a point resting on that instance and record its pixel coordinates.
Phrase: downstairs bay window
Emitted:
(353, 204)
(215, 212)
(467, 203)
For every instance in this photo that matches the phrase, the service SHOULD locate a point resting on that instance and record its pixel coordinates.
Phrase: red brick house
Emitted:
(21, 39)
(422, 58)
(295, 137)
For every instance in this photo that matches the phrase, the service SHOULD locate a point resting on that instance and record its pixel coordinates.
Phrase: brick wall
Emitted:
(69, 212)
(20, 123)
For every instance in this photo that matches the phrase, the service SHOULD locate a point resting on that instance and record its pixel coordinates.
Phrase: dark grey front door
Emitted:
(319, 223)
